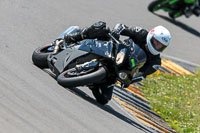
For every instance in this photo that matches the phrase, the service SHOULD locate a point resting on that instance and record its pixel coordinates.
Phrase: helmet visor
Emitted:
(158, 46)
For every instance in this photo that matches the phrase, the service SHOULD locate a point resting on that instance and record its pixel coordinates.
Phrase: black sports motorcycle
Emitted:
(175, 8)
(89, 63)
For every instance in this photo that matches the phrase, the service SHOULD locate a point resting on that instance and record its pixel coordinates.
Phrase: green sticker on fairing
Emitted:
(133, 62)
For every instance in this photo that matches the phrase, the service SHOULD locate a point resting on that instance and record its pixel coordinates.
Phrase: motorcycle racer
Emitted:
(153, 42)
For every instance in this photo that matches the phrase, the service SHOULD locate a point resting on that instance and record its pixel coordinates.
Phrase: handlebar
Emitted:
(111, 36)
(116, 44)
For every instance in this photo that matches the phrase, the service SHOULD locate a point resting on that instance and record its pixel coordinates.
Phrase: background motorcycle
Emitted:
(89, 63)
(174, 8)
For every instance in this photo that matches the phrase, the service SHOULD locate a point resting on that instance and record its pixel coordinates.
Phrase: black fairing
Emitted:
(57, 63)
(102, 48)
(137, 56)
(68, 58)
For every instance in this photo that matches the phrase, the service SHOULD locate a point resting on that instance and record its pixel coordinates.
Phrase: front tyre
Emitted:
(73, 78)
(39, 56)
(155, 5)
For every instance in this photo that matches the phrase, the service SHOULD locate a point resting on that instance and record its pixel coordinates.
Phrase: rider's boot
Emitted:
(73, 38)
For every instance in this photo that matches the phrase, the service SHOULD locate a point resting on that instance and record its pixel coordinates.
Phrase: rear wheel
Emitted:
(40, 55)
(73, 78)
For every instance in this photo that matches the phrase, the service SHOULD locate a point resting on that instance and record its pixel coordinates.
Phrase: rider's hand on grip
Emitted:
(117, 30)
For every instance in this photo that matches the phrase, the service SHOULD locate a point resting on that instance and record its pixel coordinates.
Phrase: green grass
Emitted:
(176, 99)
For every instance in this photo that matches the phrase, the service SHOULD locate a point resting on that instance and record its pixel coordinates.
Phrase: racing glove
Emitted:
(117, 30)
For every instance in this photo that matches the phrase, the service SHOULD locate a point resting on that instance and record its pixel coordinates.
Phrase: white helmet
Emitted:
(158, 36)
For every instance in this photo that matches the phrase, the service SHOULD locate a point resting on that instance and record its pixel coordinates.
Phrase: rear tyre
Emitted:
(72, 78)
(39, 56)
(103, 93)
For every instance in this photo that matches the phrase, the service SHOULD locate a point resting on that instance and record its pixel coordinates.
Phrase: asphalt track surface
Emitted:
(31, 101)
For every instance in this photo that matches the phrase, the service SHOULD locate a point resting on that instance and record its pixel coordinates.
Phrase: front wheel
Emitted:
(39, 56)
(155, 5)
(73, 78)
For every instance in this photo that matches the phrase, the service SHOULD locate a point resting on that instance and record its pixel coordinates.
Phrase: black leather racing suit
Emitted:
(137, 34)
